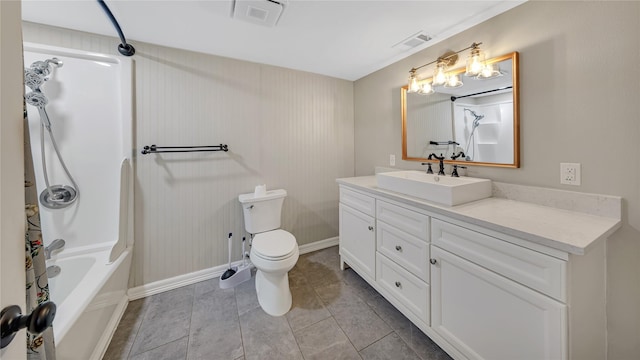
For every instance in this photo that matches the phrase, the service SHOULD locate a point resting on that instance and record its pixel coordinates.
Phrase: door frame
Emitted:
(12, 218)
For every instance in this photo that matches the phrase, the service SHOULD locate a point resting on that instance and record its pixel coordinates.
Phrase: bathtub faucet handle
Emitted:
(55, 245)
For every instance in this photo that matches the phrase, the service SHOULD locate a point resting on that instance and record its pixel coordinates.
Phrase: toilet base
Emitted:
(273, 292)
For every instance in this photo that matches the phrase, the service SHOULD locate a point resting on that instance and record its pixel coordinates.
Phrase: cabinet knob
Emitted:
(398, 284)
(433, 261)
(398, 248)
(371, 228)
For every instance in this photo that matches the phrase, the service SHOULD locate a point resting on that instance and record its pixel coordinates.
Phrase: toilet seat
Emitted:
(274, 245)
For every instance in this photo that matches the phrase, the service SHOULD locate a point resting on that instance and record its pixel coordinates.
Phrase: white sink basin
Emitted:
(445, 190)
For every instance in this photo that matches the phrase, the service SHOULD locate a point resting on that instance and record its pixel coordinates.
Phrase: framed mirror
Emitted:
(479, 118)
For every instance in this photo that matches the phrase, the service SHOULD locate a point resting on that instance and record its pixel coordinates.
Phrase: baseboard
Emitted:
(318, 245)
(110, 329)
(175, 282)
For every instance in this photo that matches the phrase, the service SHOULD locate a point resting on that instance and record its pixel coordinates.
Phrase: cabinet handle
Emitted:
(371, 228)
(398, 248)
(433, 261)
(398, 284)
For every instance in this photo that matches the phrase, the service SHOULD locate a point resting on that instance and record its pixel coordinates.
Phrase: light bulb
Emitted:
(475, 62)
(426, 88)
(490, 71)
(439, 75)
(413, 83)
(453, 81)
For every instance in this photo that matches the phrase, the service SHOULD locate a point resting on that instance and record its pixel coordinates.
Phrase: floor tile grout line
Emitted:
(193, 302)
(146, 309)
(337, 323)
(235, 297)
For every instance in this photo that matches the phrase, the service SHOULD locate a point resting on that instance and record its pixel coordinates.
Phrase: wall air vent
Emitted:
(412, 41)
(260, 12)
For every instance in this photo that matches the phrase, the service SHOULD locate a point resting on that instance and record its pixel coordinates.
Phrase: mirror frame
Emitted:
(516, 118)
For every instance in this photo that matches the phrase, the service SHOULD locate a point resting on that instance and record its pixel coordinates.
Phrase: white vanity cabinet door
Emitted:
(487, 316)
(358, 241)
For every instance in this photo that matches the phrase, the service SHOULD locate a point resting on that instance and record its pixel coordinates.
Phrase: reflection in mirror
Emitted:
(479, 118)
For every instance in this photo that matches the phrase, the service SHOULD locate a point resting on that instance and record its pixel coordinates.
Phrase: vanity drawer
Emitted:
(412, 222)
(358, 201)
(405, 287)
(405, 249)
(530, 268)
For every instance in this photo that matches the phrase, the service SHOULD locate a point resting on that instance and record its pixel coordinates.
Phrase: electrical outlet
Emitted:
(392, 160)
(570, 173)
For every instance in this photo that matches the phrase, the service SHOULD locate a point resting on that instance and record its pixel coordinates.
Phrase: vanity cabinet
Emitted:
(478, 292)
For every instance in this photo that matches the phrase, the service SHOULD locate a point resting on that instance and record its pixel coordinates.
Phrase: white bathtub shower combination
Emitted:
(90, 108)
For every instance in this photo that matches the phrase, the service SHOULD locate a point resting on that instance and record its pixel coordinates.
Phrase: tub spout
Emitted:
(55, 245)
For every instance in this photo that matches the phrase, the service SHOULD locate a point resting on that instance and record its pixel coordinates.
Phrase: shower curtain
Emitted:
(39, 346)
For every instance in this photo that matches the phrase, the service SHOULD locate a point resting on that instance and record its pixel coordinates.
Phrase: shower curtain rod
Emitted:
(454, 98)
(174, 149)
(124, 48)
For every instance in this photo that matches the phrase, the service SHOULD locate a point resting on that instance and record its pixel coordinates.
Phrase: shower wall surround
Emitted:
(562, 44)
(285, 128)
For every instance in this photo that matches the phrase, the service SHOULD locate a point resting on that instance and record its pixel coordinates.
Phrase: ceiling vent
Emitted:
(260, 12)
(412, 41)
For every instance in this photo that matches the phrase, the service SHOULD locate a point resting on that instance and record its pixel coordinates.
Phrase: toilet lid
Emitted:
(274, 244)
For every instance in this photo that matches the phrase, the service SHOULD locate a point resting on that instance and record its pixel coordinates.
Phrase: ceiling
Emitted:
(343, 39)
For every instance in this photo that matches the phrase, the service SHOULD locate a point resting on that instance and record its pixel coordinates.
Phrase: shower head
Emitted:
(477, 118)
(44, 67)
(36, 98)
(32, 79)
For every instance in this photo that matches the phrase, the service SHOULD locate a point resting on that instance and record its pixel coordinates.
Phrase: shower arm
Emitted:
(124, 48)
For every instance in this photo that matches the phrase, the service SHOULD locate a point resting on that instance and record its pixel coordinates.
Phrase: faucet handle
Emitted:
(429, 170)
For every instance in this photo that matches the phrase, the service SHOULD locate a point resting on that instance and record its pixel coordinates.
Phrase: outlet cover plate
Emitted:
(570, 173)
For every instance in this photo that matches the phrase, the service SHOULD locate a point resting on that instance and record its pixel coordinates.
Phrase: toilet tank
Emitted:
(262, 212)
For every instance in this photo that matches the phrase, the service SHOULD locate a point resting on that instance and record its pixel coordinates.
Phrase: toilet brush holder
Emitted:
(242, 274)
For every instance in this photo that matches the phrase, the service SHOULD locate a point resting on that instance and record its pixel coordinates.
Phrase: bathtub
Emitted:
(90, 294)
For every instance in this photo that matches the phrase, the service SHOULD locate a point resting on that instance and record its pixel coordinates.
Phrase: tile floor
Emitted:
(335, 315)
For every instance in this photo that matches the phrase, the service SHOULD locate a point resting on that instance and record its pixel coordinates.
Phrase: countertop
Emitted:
(569, 231)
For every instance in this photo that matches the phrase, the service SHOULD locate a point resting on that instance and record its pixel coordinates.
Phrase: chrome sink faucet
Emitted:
(55, 245)
(440, 159)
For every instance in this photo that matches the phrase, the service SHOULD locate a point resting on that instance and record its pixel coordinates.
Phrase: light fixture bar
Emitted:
(445, 57)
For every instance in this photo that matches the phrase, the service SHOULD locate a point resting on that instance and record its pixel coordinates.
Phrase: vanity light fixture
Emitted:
(476, 66)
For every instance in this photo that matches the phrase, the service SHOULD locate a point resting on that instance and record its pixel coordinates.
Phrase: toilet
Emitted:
(273, 251)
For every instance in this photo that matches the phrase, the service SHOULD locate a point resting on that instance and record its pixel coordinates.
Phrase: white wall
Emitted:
(580, 85)
(285, 128)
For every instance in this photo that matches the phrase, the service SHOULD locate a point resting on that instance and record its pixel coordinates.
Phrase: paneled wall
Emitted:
(284, 128)
(580, 85)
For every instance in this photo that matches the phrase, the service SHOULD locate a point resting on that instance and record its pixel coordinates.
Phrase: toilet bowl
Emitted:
(273, 251)
(274, 254)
